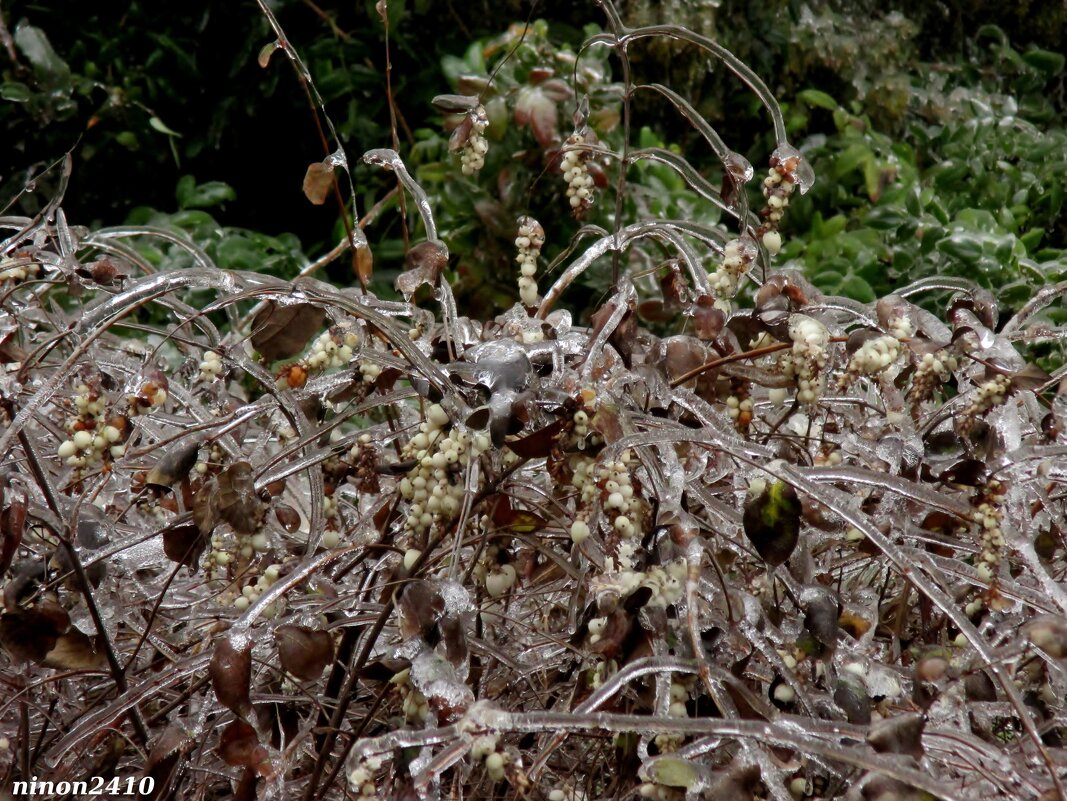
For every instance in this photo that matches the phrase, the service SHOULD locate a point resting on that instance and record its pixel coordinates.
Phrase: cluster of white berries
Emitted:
(210, 366)
(497, 578)
(370, 371)
(809, 354)
(92, 437)
(740, 410)
(219, 557)
(332, 348)
(435, 485)
(989, 393)
(415, 705)
(622, 507)
(933, 370)
(10, 271)
(486, 749)
(329, 507)
(988, 516)
(871, 358)
(667, 743)
(777, 189)
(472, 154)
(250, 593)
(530, 240)
(737, 259)
(149, 396)
(361, 778)
(576, 174)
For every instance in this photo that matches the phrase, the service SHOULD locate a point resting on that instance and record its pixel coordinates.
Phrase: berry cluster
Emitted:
(576, 174)
(989, 393)
(472, 154)
(623, 508)
(497, 578)
(92, 436)
(331, 349)
(988, 516)
(679, 694)
(529, 242)
(435, 486)
(808, 356)
(873, 357)
(486, 749)
(361, 778)
(737, 259)
(151, 394)
(11, 270)
(250, 593)
(933, 370)
(210, 366)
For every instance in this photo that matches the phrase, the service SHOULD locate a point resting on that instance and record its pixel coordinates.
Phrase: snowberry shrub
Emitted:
(300, 541)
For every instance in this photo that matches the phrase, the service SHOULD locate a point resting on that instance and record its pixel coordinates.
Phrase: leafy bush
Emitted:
(733, 538)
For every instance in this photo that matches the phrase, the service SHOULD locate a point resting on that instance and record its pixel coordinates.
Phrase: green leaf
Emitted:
(813, 97)
(671, 771)
(913, 203)
(1045, 61)
(192, 195)
(964, 247)
(872, 179)
(128, 139)
(852, 158)
(856, 288)
(161, 126)
(15, 92)
(1032, 239)
(885, 218)
(39, 52)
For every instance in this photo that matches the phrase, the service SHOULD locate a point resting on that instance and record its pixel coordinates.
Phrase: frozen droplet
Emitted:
(738, 167)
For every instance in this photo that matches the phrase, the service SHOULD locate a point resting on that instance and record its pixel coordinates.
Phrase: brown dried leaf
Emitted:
(898, 735)
(318, 181)
(205, 512)
(174, 465)
(279, 332)
(76, 650)
(236, 499)
(682, 355)
(184, 543)
(707, 319)
(163, 760)
(455, 104)
(305, 652)
(288, 517)
(239, 745)
(31, 633)
(1030, 377)
(231, 675)
(538, 444)
(364, 261)
(420, 606)
(12, 521)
